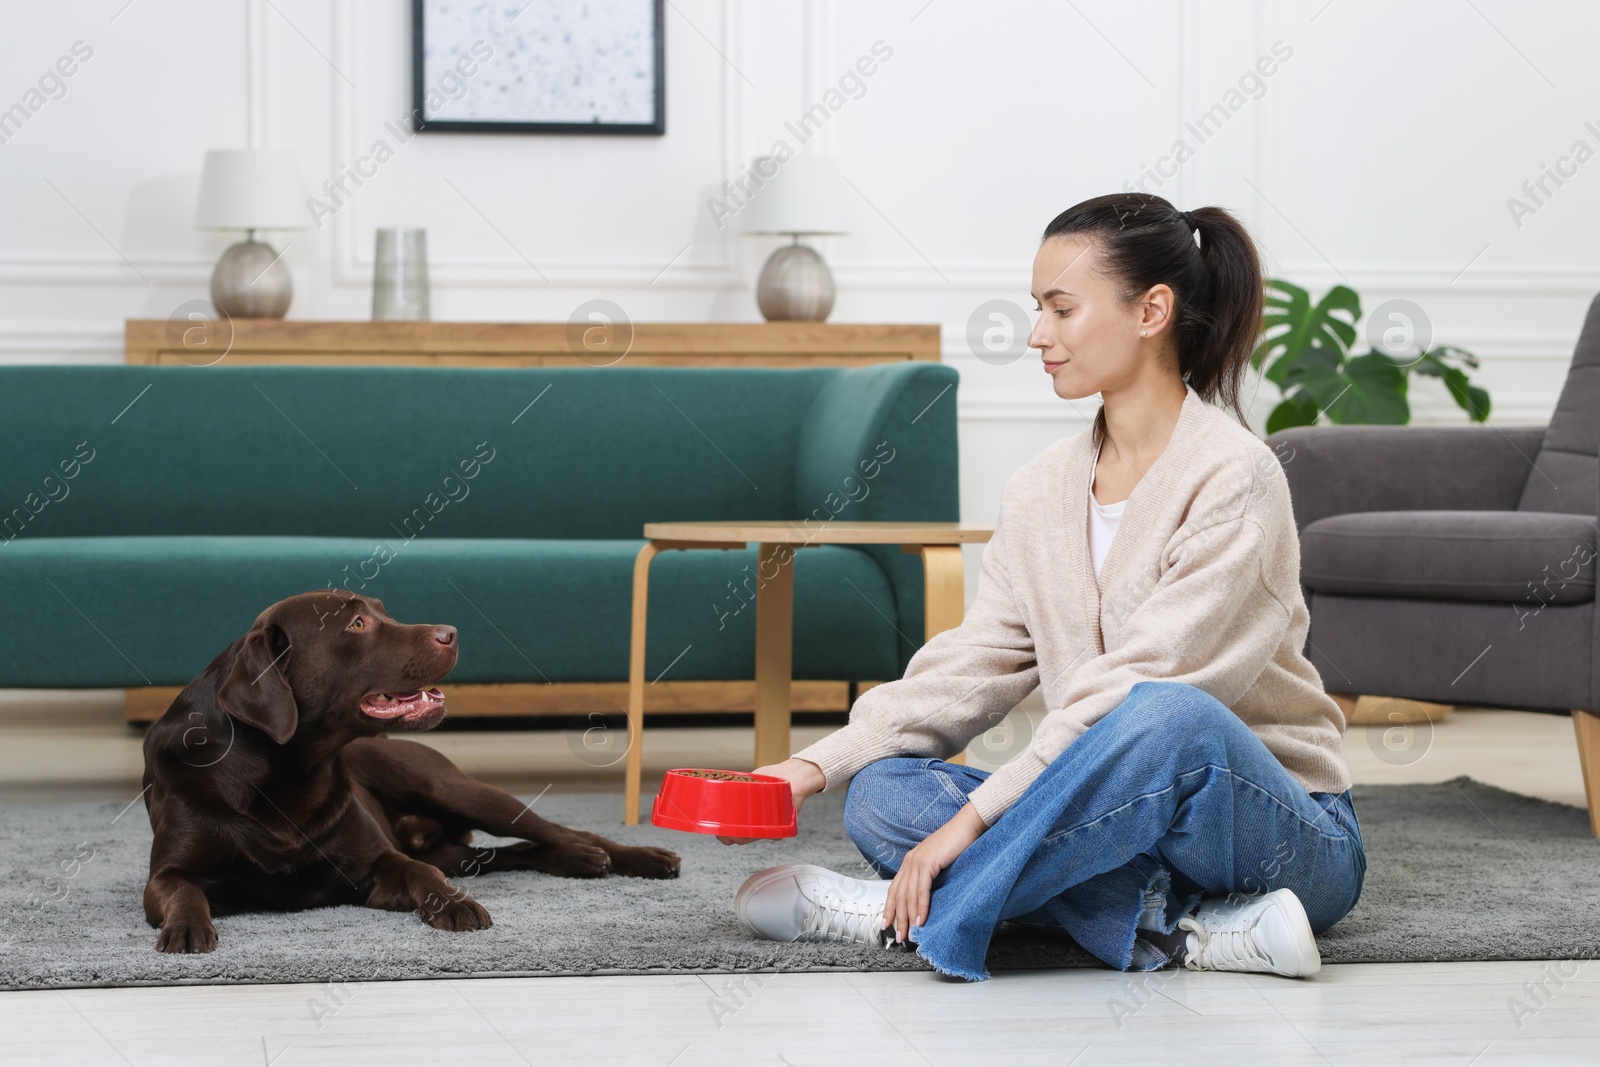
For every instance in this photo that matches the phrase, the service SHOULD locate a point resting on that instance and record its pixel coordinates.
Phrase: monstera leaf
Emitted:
(1306, 350)
(1436, 363)
(1292, 325)
(1375, 392)
(1296, 409)
(1368, 388)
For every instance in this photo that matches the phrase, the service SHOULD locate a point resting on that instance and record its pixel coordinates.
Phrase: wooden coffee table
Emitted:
(938, 543)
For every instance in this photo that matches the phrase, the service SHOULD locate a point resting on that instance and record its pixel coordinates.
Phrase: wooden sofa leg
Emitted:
(1587, 726)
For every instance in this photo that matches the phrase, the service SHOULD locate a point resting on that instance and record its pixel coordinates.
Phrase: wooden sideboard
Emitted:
(519, 344)
(515, 344)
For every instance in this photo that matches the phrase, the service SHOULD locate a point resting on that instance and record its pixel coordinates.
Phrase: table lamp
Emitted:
(804, 196)
(251, 189)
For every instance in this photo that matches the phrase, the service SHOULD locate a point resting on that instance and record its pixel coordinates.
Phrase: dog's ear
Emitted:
(256, 691)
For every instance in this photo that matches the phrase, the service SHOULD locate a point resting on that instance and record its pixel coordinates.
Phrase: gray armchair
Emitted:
(1457, 564)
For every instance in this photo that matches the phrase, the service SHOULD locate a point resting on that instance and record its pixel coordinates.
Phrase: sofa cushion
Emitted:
(156, 610)
(543, 452)
(1517, 557)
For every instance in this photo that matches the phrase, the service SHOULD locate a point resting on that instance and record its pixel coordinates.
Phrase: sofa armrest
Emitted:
(879, 444)
(903, 411)
(1335, 470)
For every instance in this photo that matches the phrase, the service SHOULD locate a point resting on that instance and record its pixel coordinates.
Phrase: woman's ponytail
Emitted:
(1213, 358)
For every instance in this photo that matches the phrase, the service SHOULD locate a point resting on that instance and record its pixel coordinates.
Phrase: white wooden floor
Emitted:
(1468, 1015)
(1458, 1014)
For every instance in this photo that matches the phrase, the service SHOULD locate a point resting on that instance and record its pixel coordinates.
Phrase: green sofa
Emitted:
(150, 513)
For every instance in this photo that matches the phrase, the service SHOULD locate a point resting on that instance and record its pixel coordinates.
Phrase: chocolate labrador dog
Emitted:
(270, 784)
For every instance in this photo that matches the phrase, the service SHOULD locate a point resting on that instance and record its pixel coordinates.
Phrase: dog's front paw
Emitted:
(646, 862)
(578, 861)
(182, 935)
(457, 912)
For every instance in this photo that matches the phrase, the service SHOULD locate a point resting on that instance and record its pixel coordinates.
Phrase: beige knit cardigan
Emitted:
(1200, 585)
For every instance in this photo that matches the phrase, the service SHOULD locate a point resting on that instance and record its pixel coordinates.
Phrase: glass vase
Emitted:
(400, 275)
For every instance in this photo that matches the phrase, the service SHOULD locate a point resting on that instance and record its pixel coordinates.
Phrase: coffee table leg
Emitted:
(774, 651)
(641, 592)
(943, 598)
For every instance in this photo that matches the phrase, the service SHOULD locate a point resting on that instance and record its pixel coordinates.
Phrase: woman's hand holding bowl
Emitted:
(804, 778)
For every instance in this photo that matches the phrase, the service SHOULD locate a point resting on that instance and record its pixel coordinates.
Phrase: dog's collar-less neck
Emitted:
(304, 757)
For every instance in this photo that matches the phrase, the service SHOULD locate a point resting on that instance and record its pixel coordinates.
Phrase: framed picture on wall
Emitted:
(538, 66)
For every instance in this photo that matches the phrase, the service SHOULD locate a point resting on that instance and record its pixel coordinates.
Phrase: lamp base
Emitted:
(251, 282)
(795, 285)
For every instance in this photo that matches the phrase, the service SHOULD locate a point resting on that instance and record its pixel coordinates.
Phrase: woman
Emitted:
(1185, 798)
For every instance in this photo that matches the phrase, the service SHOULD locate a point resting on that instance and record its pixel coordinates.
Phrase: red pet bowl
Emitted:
(732, 803)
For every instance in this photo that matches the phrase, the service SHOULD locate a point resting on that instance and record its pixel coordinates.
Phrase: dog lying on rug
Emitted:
(270, 785)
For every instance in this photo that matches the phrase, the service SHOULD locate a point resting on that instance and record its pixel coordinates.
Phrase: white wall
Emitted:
(1382, 154)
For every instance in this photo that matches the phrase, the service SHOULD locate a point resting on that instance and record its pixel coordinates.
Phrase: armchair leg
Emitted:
(1587, 726)
(1367, 710)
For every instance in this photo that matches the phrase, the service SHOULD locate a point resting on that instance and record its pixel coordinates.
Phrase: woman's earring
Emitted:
(1141, 333)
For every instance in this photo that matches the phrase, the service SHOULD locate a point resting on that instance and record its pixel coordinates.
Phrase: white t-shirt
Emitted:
(1103, 522)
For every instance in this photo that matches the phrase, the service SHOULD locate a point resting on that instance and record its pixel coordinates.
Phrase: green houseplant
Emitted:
(1307, 350)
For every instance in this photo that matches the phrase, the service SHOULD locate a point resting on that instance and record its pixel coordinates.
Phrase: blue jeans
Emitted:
(1167, 798)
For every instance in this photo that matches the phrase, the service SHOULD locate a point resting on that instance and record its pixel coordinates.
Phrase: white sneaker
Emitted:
(1268, 933)
(803, 902)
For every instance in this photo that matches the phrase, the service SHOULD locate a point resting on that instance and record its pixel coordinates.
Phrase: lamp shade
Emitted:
(251, 189)
(803, 195)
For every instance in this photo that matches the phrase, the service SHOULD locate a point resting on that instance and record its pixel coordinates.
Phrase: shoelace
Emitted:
(1229, 946)
(834, 917)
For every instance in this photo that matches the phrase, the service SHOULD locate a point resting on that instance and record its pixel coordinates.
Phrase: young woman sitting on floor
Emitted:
(1185, 798)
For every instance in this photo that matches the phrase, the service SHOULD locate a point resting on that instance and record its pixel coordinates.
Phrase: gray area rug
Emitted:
(1457, 871)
